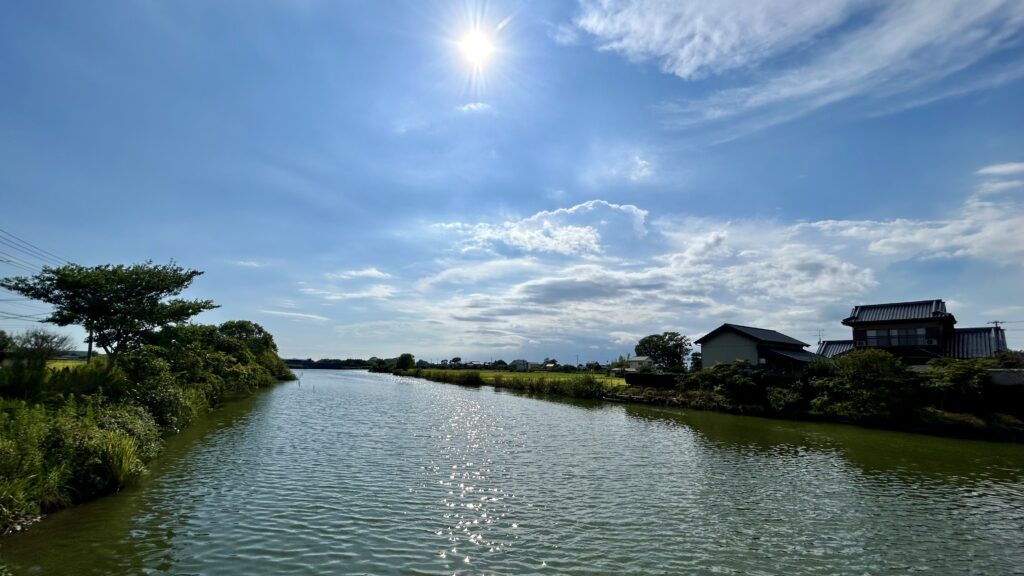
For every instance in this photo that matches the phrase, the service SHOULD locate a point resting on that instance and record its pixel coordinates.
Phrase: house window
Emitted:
(897, 337)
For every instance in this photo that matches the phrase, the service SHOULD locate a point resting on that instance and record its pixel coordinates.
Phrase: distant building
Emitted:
(519, 365)
(758, 346)
(422, 364)
(637, 363)
(916, 332)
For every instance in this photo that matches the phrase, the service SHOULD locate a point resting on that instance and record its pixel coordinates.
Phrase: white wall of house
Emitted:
(727, 347)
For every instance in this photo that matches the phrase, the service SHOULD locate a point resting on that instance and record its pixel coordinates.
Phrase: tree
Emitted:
(406, 361)
(696, 361)
(118, 305)
(666, 350)
(6, 344)
(457, 360)
(41, 343)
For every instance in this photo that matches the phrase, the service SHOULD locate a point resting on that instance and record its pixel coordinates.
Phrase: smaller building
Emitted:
(638, 363)
(519, 365)
(759, 346)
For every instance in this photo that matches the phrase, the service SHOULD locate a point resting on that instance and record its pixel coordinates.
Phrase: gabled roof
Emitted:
(975, 342)
(833, 348)
(762, 335)
(899, 311)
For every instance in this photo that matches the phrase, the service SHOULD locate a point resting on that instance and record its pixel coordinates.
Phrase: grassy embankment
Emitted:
(575, 385)
(870, 388)
(70, 432)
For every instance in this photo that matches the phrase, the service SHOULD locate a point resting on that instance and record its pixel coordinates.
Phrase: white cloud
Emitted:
(555, 231)
(1003, 169)
(806, 55)
(364, 273)
(695, 39)
(296, 315)
(249, 264)
(378, 291)
(475, 107)
(998, 186)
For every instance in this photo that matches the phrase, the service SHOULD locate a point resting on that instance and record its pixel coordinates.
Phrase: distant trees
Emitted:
(118, 305)
(667, 350)
(41, 344)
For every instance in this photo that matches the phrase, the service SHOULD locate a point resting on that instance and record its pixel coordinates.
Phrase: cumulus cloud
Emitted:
(807, 55)
(570, 231)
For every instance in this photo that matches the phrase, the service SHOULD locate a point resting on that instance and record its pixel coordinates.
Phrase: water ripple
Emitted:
(351, 473)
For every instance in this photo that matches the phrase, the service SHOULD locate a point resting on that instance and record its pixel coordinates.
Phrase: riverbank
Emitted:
(586, 385)
(72, 434)
(729, 390)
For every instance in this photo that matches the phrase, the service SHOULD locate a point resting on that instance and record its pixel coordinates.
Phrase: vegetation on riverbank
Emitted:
(867, 387)
(74, 432)
(572, 385)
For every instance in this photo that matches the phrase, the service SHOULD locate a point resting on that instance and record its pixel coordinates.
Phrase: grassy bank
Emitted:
(557, 383)
(70, 433)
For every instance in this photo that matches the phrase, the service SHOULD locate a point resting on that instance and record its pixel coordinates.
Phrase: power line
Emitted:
(32, 248)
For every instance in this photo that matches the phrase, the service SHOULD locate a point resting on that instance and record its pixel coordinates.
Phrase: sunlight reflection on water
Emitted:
(352, 472)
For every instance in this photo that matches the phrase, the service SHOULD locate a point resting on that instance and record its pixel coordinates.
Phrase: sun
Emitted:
(476, 48)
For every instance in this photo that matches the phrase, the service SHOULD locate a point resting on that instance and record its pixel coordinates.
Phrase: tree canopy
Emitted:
(117, 304)
(665, 350)
(406, 362)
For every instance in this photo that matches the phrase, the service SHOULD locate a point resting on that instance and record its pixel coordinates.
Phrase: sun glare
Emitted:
(476, 48)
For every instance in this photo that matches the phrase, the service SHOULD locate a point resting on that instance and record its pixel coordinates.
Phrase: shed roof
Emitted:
(975, 342)
(833, 348)
(898, 311)
(762, 335)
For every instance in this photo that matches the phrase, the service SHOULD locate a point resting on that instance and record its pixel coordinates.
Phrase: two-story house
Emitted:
(916, 332)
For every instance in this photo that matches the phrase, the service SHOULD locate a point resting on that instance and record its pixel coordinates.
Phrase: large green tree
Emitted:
(666, 350)
(118, 305)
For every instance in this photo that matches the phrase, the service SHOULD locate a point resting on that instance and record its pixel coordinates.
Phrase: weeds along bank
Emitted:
(71, 434)
(572, 385)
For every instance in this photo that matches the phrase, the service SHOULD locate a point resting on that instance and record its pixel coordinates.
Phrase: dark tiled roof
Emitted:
(897, 311)
(798, 355)
(833, 348)
(975, 342)
(759, 334)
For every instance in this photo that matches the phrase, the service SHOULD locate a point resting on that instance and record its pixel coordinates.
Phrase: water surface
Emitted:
(356, 473)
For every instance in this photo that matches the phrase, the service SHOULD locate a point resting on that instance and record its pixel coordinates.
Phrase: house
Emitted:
(637, 363)
(519, 365)
(916, 332)
(758, 346)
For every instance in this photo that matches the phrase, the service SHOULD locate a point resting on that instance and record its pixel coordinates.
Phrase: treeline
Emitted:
(870, 387)
(328, 364)
(68, 435)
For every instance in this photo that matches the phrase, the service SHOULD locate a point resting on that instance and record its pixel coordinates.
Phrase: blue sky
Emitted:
(345, 177)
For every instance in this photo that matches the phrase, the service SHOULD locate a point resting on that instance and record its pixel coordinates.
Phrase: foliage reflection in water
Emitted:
(352, 472)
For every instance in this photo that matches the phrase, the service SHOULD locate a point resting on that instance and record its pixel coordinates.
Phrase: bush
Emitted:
(868, 385)
(957, 384)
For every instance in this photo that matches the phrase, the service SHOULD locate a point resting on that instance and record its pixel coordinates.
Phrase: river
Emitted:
(355, 473)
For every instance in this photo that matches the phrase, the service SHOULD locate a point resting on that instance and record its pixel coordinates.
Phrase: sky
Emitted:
(354, 178)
